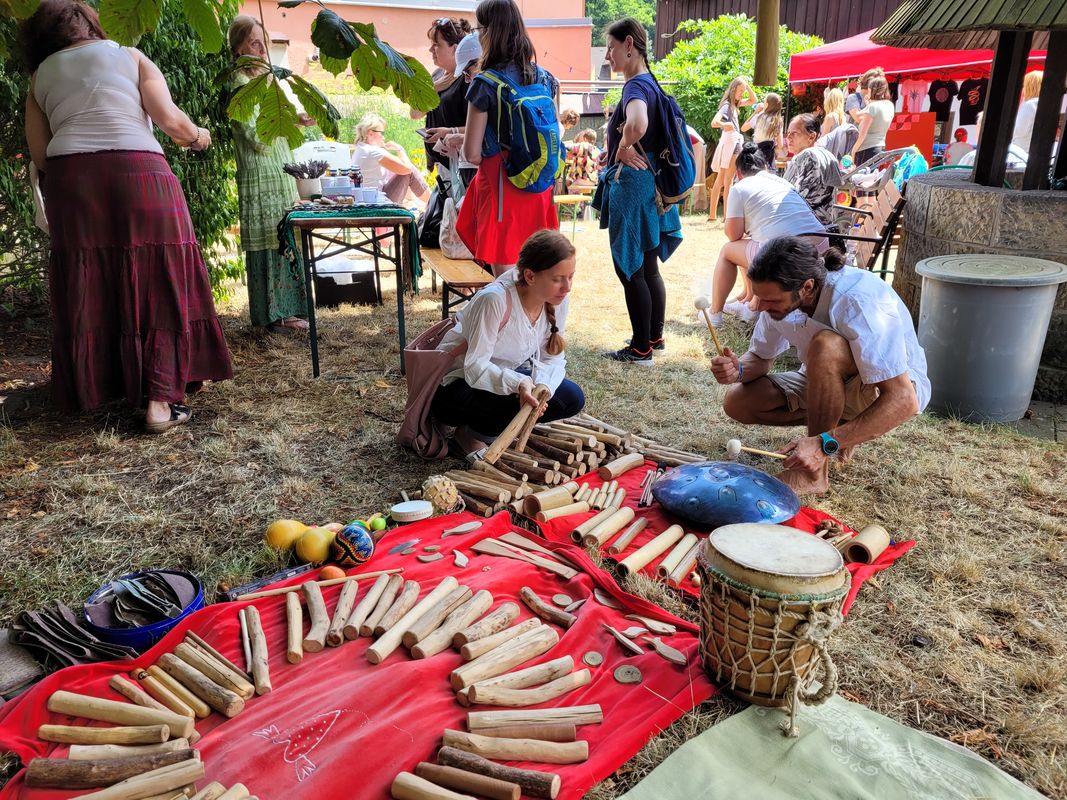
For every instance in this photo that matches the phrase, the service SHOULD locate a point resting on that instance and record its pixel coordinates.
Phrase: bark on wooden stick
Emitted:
(533, 782)
(545, 610)
(404, 602)
(495, 662)
(294, 629)
(569, 715)
(117, 712)
(519, 698)
(64, 773)
(156, 782)
(342, 611)
(495, 621)
(435, 615)
(411, 787)
(227, 703)
(98, 752)
(471, 650)
(200, 709)
(315, 640)
(197, 641)
(131, 691)
(161, 693)
(260, 665)
(385, 602)
(507, 436)
(462, 781)
(518, 749)
(364, 608)
(122, 734)
(458, 620)
(390, 640)
(214, 670)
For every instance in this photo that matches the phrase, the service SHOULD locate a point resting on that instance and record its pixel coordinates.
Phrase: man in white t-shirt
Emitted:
(862, 371)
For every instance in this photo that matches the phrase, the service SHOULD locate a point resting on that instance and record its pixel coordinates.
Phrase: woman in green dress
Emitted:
(277, 297)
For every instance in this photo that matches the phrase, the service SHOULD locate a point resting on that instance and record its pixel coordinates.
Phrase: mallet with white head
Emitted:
(734, 449)
(702, 304)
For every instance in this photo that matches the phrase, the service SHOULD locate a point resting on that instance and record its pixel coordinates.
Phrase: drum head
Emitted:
(776, 558)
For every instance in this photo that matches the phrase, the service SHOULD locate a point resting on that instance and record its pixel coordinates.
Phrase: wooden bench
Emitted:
(459, 279)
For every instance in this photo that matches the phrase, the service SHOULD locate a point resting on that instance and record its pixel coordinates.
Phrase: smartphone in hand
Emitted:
(425, 134)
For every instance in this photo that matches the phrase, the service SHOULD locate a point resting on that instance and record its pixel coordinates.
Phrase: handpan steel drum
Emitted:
(715, 493)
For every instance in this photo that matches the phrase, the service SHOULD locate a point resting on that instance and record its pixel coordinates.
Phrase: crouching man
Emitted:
(862, 370)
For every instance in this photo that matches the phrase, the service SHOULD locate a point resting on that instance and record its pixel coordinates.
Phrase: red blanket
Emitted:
(335, 726)
(558, 530)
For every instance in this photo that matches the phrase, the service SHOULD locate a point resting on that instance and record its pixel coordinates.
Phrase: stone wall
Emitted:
(946, 213)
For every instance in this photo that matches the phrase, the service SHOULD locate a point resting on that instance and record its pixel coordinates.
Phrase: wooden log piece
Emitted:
(518, 749)
(514, 456)
(161, 693)
(131, 691)
(472, 649)
(315, 640)
(435, 615)
(64, 773)
(546, 733)
(219, 673)
(385, 602)
(613, 469)
(532, 470)
(507, 436)
(509, 469)
(579, 532)
(686, 564)
(675, 556)
(564, 457)
(496, 472)
(569, 715)
(519, 698)
(481, 490)
(618, 520)
(463, 781)
(227, 703)
(546, 611)
(455, 622)
(543, 501)
(497, 620)
(294, 629)
(476, 505)
(335, 634)
(541, 394)
(236, 792)
(365, 607)
(122, 734)
(562, 511)
(117, 712)
(404, 602)
(510, 654)
(246, 642)
(98, 752)
(411, 787)
(533, 782)
(260, 655)
(584, 437)
(199, 707)
(158, 781)
(197, 641)
(652, 550)
(559, 442)
(628, 536)
(530, 676)
(213, 791)
(390, 640)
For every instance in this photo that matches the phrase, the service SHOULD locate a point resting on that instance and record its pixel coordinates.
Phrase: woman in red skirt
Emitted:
(132, 311)
(496, 217)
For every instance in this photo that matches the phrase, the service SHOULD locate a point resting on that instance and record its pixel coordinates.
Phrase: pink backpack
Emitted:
(426, 367)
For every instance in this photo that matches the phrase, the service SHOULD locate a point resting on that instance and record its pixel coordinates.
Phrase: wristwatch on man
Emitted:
(830, 445)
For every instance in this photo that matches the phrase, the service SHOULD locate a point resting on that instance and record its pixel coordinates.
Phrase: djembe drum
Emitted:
(770, 597)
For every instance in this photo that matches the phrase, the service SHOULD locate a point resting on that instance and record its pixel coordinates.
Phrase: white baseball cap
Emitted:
(469, 49)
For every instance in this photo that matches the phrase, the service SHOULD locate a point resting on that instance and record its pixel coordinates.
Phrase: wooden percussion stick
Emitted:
(196, 641)
(411, 787)
(347, 599)
(767, 453)
(518, 749)
(674, 558)
(619, 519)
(578, 533)
(134, 693)
(322, 584)
(385, 602)
(246, 642)
(613, 469)
(154, 782)
(471, 650)
(99, 752)
(260, 665)
(628, 536)
(541, 394)
(571, 715)
(461, 780)
(315, 640)
(498, 661)
(641, 558)
(365, 606)
(404, 602)
(711, 330)
(531, 676)
(64, 773)
(391, 639)
(227, 703)
(161, 693)
(219, 673)
(533, 782)
(495, 621)
(546, 733)
(199, 707)
(544, 610)
(434, 616)
(294, 629)
(685, 566)
(517, 698)
(120, 713)
(459, 619)
(122, 734)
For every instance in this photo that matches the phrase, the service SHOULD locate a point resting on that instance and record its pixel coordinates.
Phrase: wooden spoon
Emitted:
(466, 527)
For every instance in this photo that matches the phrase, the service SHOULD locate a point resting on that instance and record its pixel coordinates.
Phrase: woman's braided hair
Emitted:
(541, 252)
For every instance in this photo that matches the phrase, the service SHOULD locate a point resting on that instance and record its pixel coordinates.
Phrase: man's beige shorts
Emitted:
(858, 395)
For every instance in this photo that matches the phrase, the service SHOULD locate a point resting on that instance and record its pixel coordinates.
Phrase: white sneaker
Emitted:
(735, 309)
(716, 320)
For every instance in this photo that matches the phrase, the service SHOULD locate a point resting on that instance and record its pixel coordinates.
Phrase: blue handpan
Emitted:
(715, 493)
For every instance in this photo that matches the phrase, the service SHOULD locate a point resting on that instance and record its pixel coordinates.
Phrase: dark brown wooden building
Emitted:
(829, 19)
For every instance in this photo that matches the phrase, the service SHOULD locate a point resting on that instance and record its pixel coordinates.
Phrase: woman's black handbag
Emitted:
(430, 222)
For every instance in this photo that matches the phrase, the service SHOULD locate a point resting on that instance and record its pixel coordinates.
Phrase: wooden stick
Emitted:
(335, 635)
(525, 543)
(674, 558)
(518, 749)
(491, 471)
(507, 436)
(199, 707)
(685, 566)
(583, 493)
(422, 627)
(365, 607)
(63, 773)
(133, 692)
(546, 733)
(294, 629)
(499, 619)
(478, 647)
(236, 792)
(99, 752)
(541, 393)
(613, 469)
(478, 489)
(768, 453)
(579, 532)
(495, 548)
(315, 640)
(509, 469)
(246, 642)
(559, 442)
(321, 584)
(562, 511)
(260, 665)
(463, 781)
(533, 782)
(517, 698)
(227, 703)
(213, 791)
(219, 673)
(455, 622)
(547, 450)
(572, 715)
(618, 499)
(195, 640)
(711, 330)
(623, 541)
(405, 601)
(385, 602)
(119, 713)
(149, 783)
(123, 734)
(619, 519)
(390, 640)
(517, 651)
(411, 787)
(652, 550)
(476, 506)
(161, 693)
(544, 610)
(531, 676)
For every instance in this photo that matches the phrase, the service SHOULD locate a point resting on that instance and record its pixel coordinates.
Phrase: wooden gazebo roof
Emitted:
(970, 24)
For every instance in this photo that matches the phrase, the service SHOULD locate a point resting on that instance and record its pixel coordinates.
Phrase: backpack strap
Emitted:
(499, 81)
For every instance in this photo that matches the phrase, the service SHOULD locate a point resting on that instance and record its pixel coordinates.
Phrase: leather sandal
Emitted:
(289, 323)
(179, 415)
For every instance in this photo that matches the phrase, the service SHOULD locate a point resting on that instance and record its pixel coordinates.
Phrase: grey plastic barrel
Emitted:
(982, 323)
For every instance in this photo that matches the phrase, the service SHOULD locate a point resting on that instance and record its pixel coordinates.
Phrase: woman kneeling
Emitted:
(514, 334)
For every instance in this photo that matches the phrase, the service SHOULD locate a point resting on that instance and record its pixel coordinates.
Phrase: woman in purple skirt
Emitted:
(132, 311)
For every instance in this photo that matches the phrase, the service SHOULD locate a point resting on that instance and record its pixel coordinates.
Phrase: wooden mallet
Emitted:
(701, 304)
(734, 449)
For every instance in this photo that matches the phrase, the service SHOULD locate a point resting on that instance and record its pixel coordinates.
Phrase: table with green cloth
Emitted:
(318, 223)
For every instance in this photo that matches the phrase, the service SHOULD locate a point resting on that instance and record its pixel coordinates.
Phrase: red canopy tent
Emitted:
(850, 57)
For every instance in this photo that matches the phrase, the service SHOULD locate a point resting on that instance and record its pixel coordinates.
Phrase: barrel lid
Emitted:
(776, 550)
(983, 269)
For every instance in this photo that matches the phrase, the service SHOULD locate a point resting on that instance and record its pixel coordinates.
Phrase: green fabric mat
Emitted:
(844, 752)
(289, 249)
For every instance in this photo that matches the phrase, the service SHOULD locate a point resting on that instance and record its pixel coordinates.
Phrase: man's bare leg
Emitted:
(760, 403)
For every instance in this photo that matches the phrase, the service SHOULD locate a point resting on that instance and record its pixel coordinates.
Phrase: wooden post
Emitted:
(1048, 113)
(766, 70)
(533, 782)
(63, 773)
(1001, 106)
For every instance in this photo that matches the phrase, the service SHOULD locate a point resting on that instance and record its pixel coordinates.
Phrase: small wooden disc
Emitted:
(561, 600)
(593, 659)
(628, 673)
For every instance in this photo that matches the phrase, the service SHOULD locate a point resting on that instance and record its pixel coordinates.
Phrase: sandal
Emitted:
(294, 323)
(179, 415)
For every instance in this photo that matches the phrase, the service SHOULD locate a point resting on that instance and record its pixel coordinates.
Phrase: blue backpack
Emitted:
(675, 164)
(535, 155)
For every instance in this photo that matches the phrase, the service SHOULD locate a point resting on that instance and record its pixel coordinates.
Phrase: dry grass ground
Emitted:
(86, 498)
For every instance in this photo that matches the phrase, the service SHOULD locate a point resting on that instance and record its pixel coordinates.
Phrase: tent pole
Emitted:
(1001, 105)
